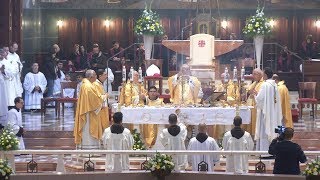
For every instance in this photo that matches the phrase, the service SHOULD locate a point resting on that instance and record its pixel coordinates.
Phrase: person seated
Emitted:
(237, 140)
(309, 48)
(116, 137)
(202, 142)
(288, 154)
(172, 138)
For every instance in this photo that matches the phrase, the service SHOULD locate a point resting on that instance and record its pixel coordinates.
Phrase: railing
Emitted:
(61, 153)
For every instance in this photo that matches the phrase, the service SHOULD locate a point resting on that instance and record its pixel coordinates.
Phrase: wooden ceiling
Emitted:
(173, 4)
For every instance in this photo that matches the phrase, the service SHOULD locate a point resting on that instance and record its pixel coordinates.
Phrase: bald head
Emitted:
(276, 78)
(257, 74)
(91, 75)
(202, 128)
(185, 69)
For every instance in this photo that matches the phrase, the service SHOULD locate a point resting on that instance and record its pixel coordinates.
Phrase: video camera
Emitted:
(280, 130)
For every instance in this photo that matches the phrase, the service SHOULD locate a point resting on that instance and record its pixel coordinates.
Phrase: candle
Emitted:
(226, 75)
(242, 73)
(131, 72)
(140, 74)
(124, 74)
(235, 74)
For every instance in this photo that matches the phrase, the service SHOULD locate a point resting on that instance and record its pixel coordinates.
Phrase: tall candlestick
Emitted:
(226, 75)
(242, 73)
(140, 75)
(235, 74)
(124, 74)
(131, 72)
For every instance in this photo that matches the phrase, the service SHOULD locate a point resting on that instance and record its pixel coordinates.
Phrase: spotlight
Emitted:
(272, 23)
(224, 24)
(60, 23)
(317, 23)
(107, 22)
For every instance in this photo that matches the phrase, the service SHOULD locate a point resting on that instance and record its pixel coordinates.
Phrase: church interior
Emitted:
(211, 37)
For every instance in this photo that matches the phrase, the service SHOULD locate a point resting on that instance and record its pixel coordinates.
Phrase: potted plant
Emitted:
(312, 171)
(8, 140)
(149, 26)
(5, 169)
(160, 165)
(257, 26)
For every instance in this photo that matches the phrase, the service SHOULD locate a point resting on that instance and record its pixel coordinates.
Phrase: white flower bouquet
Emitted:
(5, 169)
(160, 165)
(257, 24)
(312, 169)
(148, 23)
(8, 140)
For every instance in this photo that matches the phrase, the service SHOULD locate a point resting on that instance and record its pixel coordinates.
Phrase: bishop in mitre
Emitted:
(99, 85)
(202, 142)
(254, 87)
(237, 139)
(173, 138)
(184, 88)
(88, 127)
(117, 137)
(149, 131)
(285, 101)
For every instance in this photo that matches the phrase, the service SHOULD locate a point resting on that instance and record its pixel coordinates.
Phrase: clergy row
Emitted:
(117, 137)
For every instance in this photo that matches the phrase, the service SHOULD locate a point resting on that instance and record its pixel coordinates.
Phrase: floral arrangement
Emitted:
(5, 169)
(313, 168)
(257, 24)
(160, 165)
(8, 140)
(148, 23)
(138, 143)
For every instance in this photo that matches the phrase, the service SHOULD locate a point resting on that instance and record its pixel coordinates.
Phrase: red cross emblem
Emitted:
(201, 43)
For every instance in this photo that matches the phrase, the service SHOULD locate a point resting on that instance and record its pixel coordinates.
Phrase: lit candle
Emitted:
(235, 74)
(226, 75)
(124, 74)
(242, 73)
(140, 74)
(131, 72)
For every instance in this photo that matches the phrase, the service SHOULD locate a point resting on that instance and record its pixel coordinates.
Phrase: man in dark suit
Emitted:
(288, 154)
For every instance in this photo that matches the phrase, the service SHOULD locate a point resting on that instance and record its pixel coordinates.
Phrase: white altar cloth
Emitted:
(190, 116)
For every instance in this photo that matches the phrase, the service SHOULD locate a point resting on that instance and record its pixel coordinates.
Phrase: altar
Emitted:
(187, 115)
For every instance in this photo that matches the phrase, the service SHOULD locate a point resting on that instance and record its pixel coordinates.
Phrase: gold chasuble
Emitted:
(104, 113)
(89, 101)
(130, 94)
(150, 131)
(184, 91)
(251, 128)
(285, 104)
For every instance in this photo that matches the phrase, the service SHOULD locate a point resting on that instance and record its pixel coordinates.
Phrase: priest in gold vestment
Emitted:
(104, 113)
(149, 131)
(285, 101)
(254, 87)
(184, 88)
(131, 92)
(87, 127)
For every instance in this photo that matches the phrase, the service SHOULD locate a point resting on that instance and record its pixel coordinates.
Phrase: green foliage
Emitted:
(313, 168)
(257, 25)
(160, 164)
(5, 169)
(8, 140)
(148, 23)
(138, 143)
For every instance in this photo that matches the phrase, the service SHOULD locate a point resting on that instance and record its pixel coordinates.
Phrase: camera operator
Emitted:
(288, 154)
